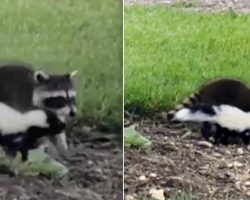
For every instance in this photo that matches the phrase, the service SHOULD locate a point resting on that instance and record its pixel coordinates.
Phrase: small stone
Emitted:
(237, 164)
(237, 185)
(217, 155)
(240, 151)
(142, 178)
(90, 162)
(228, 152)
(230, 165)
(247, 183)
(171, 143)
(153, 175)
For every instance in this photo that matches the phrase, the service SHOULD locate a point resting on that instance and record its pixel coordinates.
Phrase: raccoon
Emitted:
(217, 92)
(21, 88)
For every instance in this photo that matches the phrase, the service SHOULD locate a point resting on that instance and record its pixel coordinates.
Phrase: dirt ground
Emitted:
(180, 160)
(95, 173)
(204, 5)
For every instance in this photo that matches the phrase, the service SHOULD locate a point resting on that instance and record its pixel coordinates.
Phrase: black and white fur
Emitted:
(21, 131)
(223, 120)
(21, 87)
(217, 92)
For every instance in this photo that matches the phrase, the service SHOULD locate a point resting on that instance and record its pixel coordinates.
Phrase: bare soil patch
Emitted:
(180, 160)
(95, 174)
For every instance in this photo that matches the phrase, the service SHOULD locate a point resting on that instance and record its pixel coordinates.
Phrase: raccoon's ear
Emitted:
(41, 77)
(73, 73)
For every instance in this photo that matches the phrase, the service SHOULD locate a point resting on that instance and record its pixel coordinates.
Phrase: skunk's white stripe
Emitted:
(225, 115)
(233, 118)
(12, 121)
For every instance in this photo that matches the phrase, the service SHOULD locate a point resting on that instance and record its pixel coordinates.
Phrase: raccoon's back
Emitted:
(226, 91)
(16, 85)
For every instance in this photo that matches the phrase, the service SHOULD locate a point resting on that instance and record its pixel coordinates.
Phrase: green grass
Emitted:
(60, 36)
(170, 52)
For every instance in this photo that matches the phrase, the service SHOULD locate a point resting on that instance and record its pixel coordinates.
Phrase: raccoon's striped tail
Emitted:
(188, 102)
(196, 113)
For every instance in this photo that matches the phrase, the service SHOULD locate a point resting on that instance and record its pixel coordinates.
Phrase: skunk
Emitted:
(21, 131)
(223, 121)
(217, 92)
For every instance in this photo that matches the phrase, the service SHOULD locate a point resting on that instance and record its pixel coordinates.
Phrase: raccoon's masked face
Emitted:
(56, 93)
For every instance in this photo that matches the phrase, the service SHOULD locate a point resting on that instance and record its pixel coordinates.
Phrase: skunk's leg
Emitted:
(209, 131)
(245, 136)
(24, 154)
